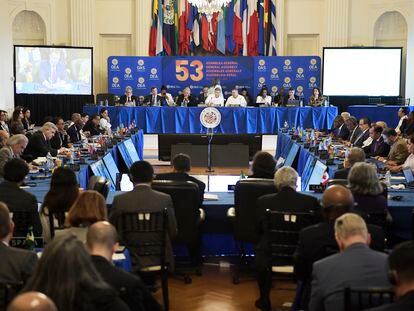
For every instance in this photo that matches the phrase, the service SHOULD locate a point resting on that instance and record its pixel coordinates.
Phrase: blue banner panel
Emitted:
(140, 73)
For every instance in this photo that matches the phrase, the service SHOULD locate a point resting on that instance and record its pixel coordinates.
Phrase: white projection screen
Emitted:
(362, 71)
(53, 70)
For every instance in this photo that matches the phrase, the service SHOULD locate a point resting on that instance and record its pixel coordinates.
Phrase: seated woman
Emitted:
(26, 119)
(90, 207)
(67, 275)
(369, 194)
(263, 166)
(409, 162)
(317, 99)
(264, 98)
(16, 125)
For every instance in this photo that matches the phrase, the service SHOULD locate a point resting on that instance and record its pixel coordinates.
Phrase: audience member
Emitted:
(18, 199)
(104, 121)
(61, 137)
(16, 264)
(89, 207)
(236, 100)
(352, 156)
(383, 124)
(16, 125)
(26, 119)
(263, 166)
(13, 149)
(32, 301)
(339, 129)
(286, 200)
(39, 143)
(102, 244)
(402, 123)
(92, 126)
(356, 266)
(363, 139)
(409, 162)
(354, 130)
(401, 274)
(4, 136)
(186, 99)
(144, 198)
(63, 192)
(84, 117)
(398, 151)
(3, 121)
(66, 274)
(75, 128)
(378, 147)
(318, 241)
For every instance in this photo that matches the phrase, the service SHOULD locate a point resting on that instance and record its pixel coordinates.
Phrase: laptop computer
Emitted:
(409, 177)
(293, 103)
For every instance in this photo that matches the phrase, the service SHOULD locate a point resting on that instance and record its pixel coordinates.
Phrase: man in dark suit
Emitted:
(286, 200)
(144, 198)
(155, 99)
(355, 266)
(53, 71)
(101, 241)
(401, 268)
(354, 130)
(17, 199)
(318, 241)
(364, 125)
(17, 265)
(354, 155)
(186, 99)
(378, 147)
(39, 142)
(128, 99)
(61, 137)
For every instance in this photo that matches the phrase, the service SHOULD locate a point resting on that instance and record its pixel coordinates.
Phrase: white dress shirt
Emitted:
(409, 163)
(212, 100)
(264, 100)
(397, 129)
(239, 101)
(105, 125)
(169, 99)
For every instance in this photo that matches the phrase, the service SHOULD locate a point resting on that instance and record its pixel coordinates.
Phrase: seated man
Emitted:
(318, 241)
(399, 150)
(354, 155)
(32, 301)
(291, 98)
(402, 123)
(17, 265)
(167, 96)
(4, 136)
(363, 139)
(355, 266)
(101, 241)
(378, 147)
(354, 130)
(13, 149)
(401, 269)
(128, 99)
(204, 94)
(142, 197)
(75, 129)
(18, 199)
(186, 99)
(216, 99)
(92, 126)
(236, 100)
(154, 99)
(287, 200)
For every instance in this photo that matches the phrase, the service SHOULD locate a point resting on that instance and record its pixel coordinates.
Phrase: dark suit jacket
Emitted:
(357, 266)
(92, 128)
(161, 100)
(342, 173)
(45, 71)
(16, 127)
(192, 101)
(377, 148)
(26, 124)
(356, 133)
(38, 146)
(286, 100)
(123, 99)
(184, 177)
(129, 286)
(17, 265)
(19, 200)
(144, 198)
(370, 203)
(74, 133)
(405, 303)
(363, 136)
(59, 140)
(343, 132)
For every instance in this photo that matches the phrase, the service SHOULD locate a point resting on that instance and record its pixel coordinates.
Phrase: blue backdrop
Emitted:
(141, 73)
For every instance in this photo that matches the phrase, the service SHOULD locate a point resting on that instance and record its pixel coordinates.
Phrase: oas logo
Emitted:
(141, 83)
(262, 65)
(312, 82)
(299, 74)
(114, 65)
(128, 75)
(287, 83)
(299, 89)
(287, 66)
(274, 89)
(154, 74)
(115, 83)
(313, 64)
(210, 117)
(262, 80)
(141, 65)
(275, 74)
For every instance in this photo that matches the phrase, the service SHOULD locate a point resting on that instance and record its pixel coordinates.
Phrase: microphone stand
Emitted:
(210, 134)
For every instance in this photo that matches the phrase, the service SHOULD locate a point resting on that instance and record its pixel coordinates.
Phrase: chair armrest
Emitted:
(202, 215)
(231, 212)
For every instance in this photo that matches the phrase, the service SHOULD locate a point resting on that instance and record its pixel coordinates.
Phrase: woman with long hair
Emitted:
(16, 125)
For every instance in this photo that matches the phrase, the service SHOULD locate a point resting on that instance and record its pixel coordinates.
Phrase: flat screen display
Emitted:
(128, 152)
(99, 169)
(110, 164)
(307, 171)
(53, 70)
(291, 155)
(361, 71)
(317, 174)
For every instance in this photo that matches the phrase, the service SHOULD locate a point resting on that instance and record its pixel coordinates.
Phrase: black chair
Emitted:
(245, 216)
(144, 233)
(8, 290)
(99, 184)
(102, 97)
(186, 201)
(356, 299)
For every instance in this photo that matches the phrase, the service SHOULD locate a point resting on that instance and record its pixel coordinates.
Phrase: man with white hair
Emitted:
(14, 148)
(356, 266)
(286, 200)
(186, 99)
(128, 99)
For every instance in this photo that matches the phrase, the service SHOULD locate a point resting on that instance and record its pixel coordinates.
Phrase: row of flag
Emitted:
(244, 27)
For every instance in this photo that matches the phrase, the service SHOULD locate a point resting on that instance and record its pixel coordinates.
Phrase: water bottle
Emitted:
(326, 103)
(106, 102)
(301, 103)
(388, 178)
(286, 125)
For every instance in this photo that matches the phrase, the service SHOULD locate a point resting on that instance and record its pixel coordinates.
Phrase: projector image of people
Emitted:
(43, 70)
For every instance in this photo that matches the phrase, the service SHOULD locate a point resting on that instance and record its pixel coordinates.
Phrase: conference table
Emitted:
(234, 120)
(388, 114)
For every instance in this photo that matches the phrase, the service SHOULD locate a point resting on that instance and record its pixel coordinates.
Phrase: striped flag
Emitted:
(160, 18)
(237, 27)
(221, 32)
(272, 40)
(252, 28)
(156, 45)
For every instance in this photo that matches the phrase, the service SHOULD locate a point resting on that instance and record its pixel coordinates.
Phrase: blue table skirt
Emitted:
(374, 113)
(183, 120)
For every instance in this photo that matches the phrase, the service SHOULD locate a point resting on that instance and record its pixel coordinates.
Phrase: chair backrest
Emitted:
(356, 299)
(246, 193)
(22, 221)
(144, 234)
(105, 96)
(186, 201)
(8, 290)
(377, 218)
(341, 182)
(99, 184)
(282, 230)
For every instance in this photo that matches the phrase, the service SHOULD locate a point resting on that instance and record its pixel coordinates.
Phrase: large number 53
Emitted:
(183, 73)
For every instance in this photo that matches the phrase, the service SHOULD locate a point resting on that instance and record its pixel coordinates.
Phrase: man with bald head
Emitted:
(318, 241)
(102, 242)
(32, 301)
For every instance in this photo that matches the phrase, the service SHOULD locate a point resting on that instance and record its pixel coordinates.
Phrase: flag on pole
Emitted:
(261, 40)
(221, 32)
(272, 40)
(253, 28)
(169, 20)
(159, 45)
(230, 45)
(237, 27)
(245, 24)
(193, 25)
(184, 32)
(153, 31)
